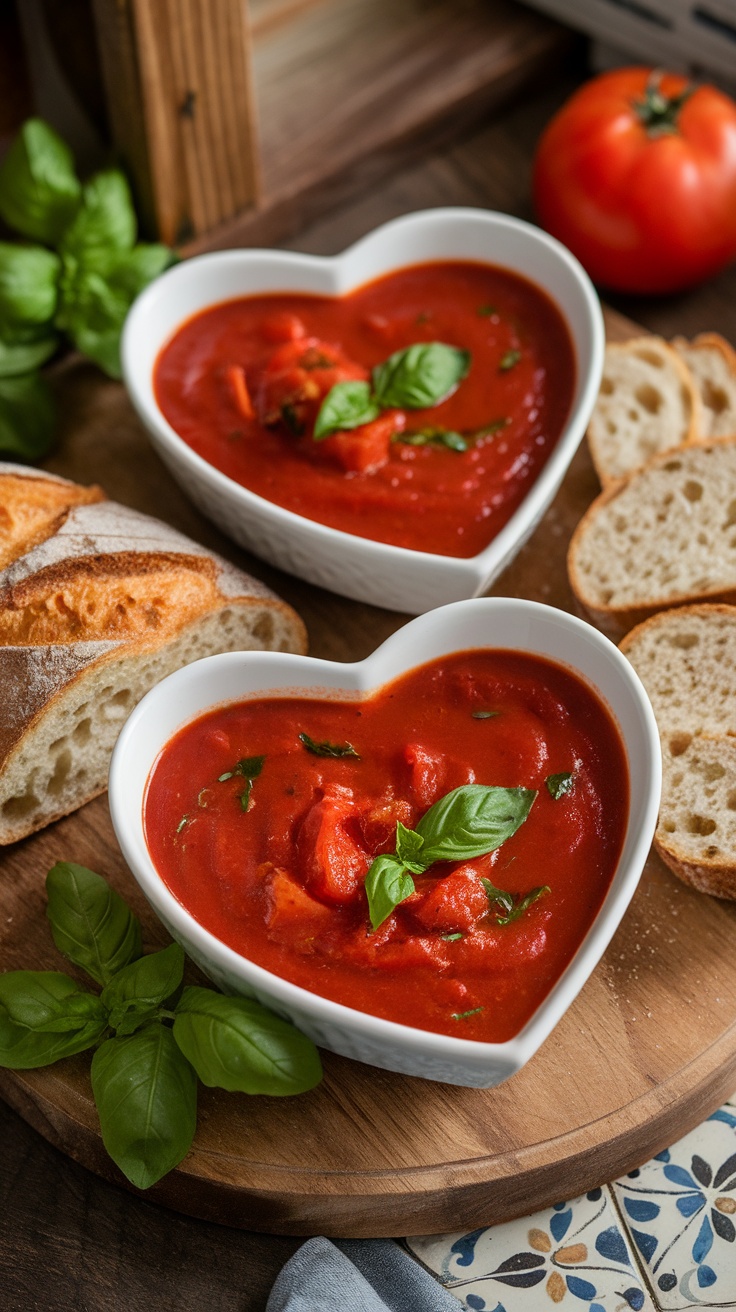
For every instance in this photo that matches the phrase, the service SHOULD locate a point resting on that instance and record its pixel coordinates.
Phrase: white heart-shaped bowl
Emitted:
(393, 577)
(496, 622)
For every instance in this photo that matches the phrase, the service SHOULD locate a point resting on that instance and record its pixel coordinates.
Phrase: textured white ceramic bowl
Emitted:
(393, 577)
(496, 622)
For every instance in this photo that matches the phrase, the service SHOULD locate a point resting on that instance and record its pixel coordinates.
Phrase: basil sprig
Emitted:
(83, 287)
(417, 378)
(468, 822)
(152, 1039)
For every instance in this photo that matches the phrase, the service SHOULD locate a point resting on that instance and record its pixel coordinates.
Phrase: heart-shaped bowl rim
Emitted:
(506, 623)
(405, 579)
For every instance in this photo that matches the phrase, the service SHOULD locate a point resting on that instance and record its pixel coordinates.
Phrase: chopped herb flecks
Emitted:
(484, 715)
(184, 820)
(248, 768)
(292, 420)
(327, 749)
(559, 784)
(510, 906)
(485, 311)
(509, 360)
(463, 1015)
(452, 938)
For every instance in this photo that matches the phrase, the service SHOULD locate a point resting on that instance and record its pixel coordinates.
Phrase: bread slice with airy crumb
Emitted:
(686, 659)
(664, 537)
(712, 363)
(647, 403)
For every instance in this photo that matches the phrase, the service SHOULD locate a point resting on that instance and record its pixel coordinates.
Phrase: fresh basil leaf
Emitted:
(94, 302)
(105, 221)
(136, 992)
(39, 190)
(559, 784)
(19, 357)
(146, 1096)
(249, 767)
(347, 405)
(434, 437)
(420, 376)
(509, 360)
(386, 885)
(90, 922)
(327, 749)
(45, 1016)
(236, 1044)
(484, 715)
(512, 905)
(409, 846)
(472, 820)
(29, 277)
(26, 416)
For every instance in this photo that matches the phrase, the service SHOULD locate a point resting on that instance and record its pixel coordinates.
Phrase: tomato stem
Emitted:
(657, 112)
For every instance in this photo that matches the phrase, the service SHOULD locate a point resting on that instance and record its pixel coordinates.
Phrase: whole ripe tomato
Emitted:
(636, 174)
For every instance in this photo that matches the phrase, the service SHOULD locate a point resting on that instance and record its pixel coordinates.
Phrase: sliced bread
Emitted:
(647, 403)
(712, 363)
(686, 659)
(665, 536)
(97, 603)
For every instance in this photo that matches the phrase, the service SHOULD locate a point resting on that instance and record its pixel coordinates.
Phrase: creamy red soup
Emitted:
(244, 384)
(266, 820)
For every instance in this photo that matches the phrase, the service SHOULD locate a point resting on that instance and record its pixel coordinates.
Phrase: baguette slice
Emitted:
(686, 660)
(712, 363)
(90, 618)
(664, 537)
(647, 403)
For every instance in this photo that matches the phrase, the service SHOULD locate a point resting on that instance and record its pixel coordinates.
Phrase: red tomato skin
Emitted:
(643, 213)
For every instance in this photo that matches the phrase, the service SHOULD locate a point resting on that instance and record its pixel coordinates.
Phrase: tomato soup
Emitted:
(438, 462)
(282, 825)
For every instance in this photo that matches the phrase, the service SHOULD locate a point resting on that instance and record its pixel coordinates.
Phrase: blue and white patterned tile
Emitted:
(575, 1254)
(680, 1210)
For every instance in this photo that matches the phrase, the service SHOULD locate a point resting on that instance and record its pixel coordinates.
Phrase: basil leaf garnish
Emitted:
(472, 820)
(235, 1044)
(509, 360)
(327, 749)
(434, 437)
(347, 405)
(23, 357)
(559, 784)
(105, 221)
(90, 922)
(135, 994)
(146, 1096)
(39, 189)
(409, 846)
(29, 277)
(420, 376)
(510, 906)
(26, 416)
(44, 1016)
(387, 884)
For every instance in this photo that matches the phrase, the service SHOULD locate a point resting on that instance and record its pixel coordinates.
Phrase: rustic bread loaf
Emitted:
(686, 659)
(712, 363)
(663, 537)
(647, 403)
(97, 603)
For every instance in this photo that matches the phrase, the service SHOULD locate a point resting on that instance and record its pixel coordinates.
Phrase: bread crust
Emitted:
(96, 592)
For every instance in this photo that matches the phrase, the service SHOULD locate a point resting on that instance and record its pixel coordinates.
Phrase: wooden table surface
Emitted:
(68, 1240)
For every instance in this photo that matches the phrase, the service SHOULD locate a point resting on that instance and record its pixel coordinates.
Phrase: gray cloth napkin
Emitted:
(356, 1275)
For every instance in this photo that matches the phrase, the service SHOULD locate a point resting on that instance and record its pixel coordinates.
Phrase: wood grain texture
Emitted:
(643, 1054)
(182, 108)
(349, 91)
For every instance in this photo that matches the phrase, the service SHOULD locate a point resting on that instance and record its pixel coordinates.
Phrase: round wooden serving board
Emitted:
(645, 1053)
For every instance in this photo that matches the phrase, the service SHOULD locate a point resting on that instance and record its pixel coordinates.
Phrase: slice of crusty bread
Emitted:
(686, 659)
(91, 616)
(712, 363)
(665, 536)
(647, 403)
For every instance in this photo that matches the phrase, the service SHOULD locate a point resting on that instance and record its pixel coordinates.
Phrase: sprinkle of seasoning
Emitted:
(463, 1015)
(184, 820)
(509, 360)
(327, 749)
